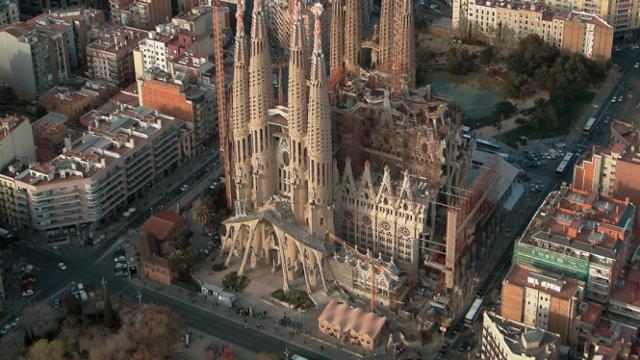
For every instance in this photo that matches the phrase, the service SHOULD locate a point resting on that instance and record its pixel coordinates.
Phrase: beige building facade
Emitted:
(119, 157)
(577, 32)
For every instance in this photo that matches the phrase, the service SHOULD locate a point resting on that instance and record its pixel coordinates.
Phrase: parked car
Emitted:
(27, 293)
(62, 266)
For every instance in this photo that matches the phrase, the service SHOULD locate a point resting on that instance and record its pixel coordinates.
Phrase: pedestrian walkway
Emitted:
(204, 346)
(268, 324)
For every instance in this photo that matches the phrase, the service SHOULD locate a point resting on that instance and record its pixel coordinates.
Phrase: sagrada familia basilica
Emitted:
(359, 159)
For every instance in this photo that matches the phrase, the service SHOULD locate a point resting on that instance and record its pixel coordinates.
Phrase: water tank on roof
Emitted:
(152, 35)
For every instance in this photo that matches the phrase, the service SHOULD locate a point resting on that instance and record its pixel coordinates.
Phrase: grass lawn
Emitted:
(533, 131)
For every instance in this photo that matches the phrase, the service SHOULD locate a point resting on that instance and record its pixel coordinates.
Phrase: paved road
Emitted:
(80, 270)
(625, 58)
(91, 265)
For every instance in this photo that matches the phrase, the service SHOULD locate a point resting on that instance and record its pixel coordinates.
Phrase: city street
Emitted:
(524, 210)
(92, 264)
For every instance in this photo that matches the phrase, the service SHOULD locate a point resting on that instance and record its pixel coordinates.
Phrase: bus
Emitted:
(487, 145)
(473, 311)
(564, 164)
(589, 126)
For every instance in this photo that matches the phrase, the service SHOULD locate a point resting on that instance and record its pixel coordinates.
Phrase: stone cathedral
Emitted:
(312, 169)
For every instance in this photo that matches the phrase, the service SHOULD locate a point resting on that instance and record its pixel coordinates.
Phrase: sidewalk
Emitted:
(310, 342)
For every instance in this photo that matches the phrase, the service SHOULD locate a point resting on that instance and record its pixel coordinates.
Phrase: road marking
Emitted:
(283, 339)
(109, 250)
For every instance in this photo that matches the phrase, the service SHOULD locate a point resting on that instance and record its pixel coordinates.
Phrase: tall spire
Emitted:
(297, 121)
(404, 68)
(387, 31)
(336, 44)
(260, 99)
(320, 165)
(240, 104)
(353, 35)
(240, 111)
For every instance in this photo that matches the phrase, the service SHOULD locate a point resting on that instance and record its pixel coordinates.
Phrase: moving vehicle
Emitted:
(589, 126)
(564, 164)
(473, 312)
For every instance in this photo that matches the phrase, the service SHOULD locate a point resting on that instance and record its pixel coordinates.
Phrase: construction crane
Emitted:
(375, 267)
(223, 123)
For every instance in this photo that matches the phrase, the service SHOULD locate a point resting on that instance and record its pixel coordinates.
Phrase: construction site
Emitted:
(350, 181)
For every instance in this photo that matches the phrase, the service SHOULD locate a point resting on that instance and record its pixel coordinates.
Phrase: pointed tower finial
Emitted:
(240, 17)
(317, 41)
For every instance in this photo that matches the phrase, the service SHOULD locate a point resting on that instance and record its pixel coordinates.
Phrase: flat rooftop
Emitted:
(10, 123)
(521, 339)
(549, 282)
(109, 136)
(580, 219)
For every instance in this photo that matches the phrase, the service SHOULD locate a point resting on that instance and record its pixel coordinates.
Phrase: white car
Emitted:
(27, 292)
(62, 266)
(613, 99)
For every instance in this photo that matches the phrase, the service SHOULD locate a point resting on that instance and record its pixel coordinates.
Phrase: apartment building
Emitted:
(612, 171)
(146, 14)
(190, 100)
(50, 134)
(575, 31)
(197, 19)
(119, 11)
(110, 58)
(622, 15)
(119, 157)
(581, 235)
(16, 144)
(9, 13)
(541, 299)
(504, 339)
(624, 304)
(80, 21)
(34, 57)
(168, 42)
(68, 102)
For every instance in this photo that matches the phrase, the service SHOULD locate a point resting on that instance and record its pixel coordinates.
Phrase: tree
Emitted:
(155, 331)
(487, 54)
(44, 349)
(182, 261)
(504, 109)
(41, 320)
(459, 61)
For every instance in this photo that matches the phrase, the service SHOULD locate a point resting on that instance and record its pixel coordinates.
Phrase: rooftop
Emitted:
(116, 39)
(626, 131)
(350, 319)
(627, 291)
(160, 224)
(109, 136)
(583, 220)
(548, 282)
(521, 339)
(10, 123)
(63, 95)
(587, 18)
